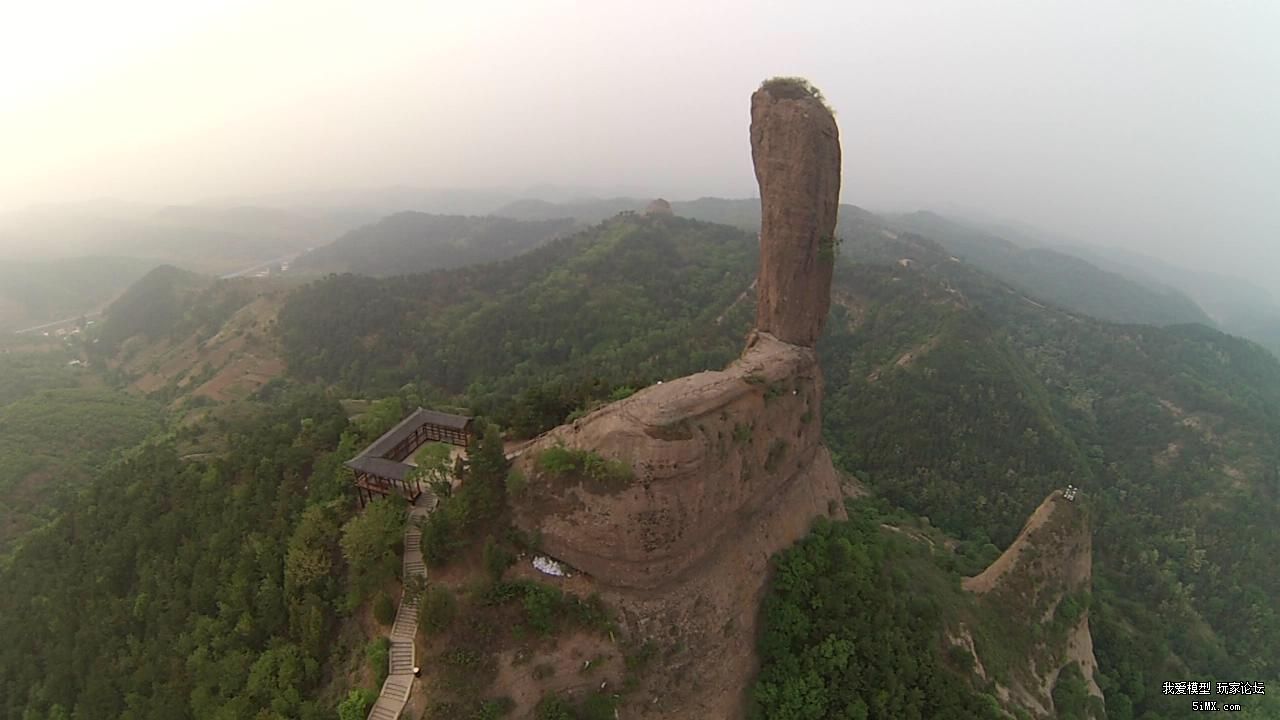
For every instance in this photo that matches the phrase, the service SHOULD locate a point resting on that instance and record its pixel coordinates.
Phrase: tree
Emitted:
(434, 468)
(308, 565)
(486, 484)
(380, 417)
(368, 542)
(496, 559)
(357, 704)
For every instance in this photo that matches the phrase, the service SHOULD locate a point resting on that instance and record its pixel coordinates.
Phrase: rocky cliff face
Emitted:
(796, 149)
(705, 451)
(726, 467)
(1049, 564)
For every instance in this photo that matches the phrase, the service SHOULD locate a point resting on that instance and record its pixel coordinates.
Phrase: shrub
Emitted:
(793, 88)
(540, 605)
(557, 460)
(378, 653)
(560, 461)
(553, 707)
(496, 559)
(598, 706)
(441, 537)
(384, 611)
(827, 249)
(621, 393)
(493, 708)
(437, 611)
(357, 704)
(546, 608)
(516, 483)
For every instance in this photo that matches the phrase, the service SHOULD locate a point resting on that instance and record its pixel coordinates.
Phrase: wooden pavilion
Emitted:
(380, 469)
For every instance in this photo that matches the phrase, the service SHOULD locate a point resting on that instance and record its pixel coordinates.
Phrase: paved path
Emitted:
(395, 691)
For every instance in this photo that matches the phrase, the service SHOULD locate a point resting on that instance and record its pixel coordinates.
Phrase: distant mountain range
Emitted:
(414, 242)
(1107, 284)
(359, 232)
(203, 239)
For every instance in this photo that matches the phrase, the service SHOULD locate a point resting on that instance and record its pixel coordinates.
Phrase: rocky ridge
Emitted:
(1049, 564)
(723, 468)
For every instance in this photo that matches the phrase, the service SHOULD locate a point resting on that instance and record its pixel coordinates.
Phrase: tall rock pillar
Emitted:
(795, 146)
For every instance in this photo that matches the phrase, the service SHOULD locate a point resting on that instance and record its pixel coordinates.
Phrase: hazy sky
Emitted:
(1148, 124)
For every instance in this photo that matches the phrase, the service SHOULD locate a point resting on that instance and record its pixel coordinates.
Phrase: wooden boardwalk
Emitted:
(395, 691)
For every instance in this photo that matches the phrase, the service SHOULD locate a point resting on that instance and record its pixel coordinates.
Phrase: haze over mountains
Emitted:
(964, 380)
(951, 393)
(721, 360)
(1110, 284)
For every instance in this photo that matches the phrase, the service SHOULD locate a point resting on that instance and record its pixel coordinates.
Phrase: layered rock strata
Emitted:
(723, 468)
(796, 149)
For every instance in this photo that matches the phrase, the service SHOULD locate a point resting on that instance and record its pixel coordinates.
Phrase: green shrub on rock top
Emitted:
(560, 462)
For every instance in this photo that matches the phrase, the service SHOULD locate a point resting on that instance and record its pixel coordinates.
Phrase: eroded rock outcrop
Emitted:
(658, 207)
(726, 467)
(796, 149)
(1043, 580)
(706, 451)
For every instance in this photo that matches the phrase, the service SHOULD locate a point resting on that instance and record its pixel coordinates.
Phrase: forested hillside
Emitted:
(955, 395)
(36, 292)
(965, 402)
(1052, 277)
(950, 393)
(414, 242)
(622, 304)
(177, 334)
(58, 426)
(1056, 277)
(200, 589)
(1237, 306)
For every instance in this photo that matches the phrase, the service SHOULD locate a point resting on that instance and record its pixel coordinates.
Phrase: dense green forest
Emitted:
(1175, 433)
(200, 589)
(1059, 278)
(57, 427)
(625, 303)
(414, 242)
(951, 393)
(852, 629)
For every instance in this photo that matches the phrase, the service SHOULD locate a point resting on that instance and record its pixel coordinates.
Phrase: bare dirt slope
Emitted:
(241, 357)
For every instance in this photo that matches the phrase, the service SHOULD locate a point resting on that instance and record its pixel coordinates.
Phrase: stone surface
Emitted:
(1051, 559)
(658, 207)
(727, 467)
(706, 451)
(795, 146)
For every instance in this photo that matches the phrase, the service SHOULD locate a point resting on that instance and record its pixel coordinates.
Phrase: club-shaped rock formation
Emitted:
(695, 483)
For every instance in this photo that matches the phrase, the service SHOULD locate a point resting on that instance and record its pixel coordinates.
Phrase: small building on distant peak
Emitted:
(658, 207)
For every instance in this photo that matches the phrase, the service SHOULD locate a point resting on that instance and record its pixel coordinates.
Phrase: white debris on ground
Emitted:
(547, 566)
